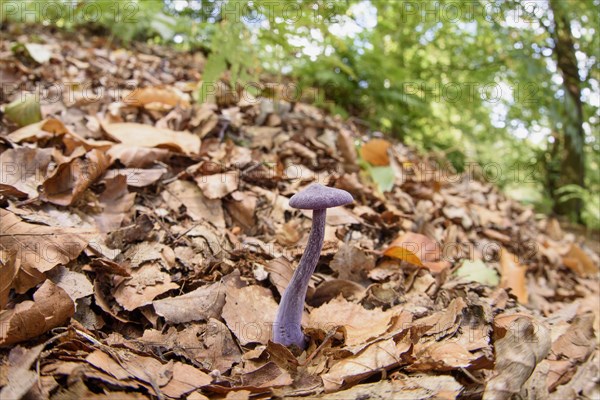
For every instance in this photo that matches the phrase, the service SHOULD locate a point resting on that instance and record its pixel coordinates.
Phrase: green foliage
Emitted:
(591, 201)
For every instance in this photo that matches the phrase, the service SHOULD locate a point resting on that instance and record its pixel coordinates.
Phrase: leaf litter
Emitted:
(146, 241)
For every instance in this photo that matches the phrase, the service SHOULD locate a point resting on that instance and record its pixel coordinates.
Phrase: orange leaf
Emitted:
(417, 249)
(579, 261)
(513, 275)
(375, 152)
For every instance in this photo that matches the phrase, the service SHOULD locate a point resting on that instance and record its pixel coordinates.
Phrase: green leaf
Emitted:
(24, 111)
(478, 271)
(383, 177)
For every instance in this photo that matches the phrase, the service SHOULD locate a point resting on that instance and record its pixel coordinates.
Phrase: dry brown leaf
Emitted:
(158, 98)
(134, 134)
(19, 378)
(377, 356)
(242, 209)
(185, 379)
(579, 261)
(198, 305)
(266, 376)
(116, 203)
(375, 152)
(137, 177)
(51, 307)
(329, 290)
(68, 182)
(521, 343)
(280, 273)
(419, 250)
(23, 170)
(250, 312)
(413, 387)
(144, 285)
(44, 129)
(446, 355)
(41, 247)
(198, 206)
(360, 325)
(137, 156)
(513, 275)
(75, 284)
(352, 263)
(217, 186)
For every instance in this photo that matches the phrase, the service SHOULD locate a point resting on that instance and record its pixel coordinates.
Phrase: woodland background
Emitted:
(511, 86)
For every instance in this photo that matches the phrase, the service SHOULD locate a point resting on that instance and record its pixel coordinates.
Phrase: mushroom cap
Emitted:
(318, 197)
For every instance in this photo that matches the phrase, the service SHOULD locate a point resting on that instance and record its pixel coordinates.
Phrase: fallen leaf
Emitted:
(68, 182)
(375, 152)
(374, 358)
(412, 387)
(44, 129)
(134, 134)
(217, 186)
(40, 53)
(41, 247)
(75, 284)
(513, 275)
(51, 307)
(198, 206)
(19, 377)
(352, 263)
(25, 110)
(579, 261)
(198, 305)
(360, 325)
(419, 250)
(116, 203)
(137, 156)
(23, 170)
(184, 380)
(478, 271)
(250, 312)
(521, 343)
(158, 98)
(137, 177)
(145, 284)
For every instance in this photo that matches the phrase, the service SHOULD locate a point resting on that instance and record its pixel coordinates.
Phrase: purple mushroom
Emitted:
(287, 328)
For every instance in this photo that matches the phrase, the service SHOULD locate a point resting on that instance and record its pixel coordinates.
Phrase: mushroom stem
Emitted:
(287, 329)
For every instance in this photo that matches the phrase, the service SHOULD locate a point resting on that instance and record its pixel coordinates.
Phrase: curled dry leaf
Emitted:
(116, 203)
(19, 376)
(44, 129)
(51, 307)
(23, 170)
(41, 247)
(579, 261)
(68, 182)
(521, 343)
(513, 275)
(419, 250)
(134, 134)
(380, 355)
(198, 305)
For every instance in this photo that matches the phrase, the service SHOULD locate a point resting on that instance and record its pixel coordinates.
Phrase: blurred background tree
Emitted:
(510, 85)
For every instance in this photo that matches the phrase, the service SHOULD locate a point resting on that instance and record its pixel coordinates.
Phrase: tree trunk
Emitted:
(572, 167)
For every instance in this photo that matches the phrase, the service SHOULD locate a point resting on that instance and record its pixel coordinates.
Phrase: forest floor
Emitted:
(147, 239)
